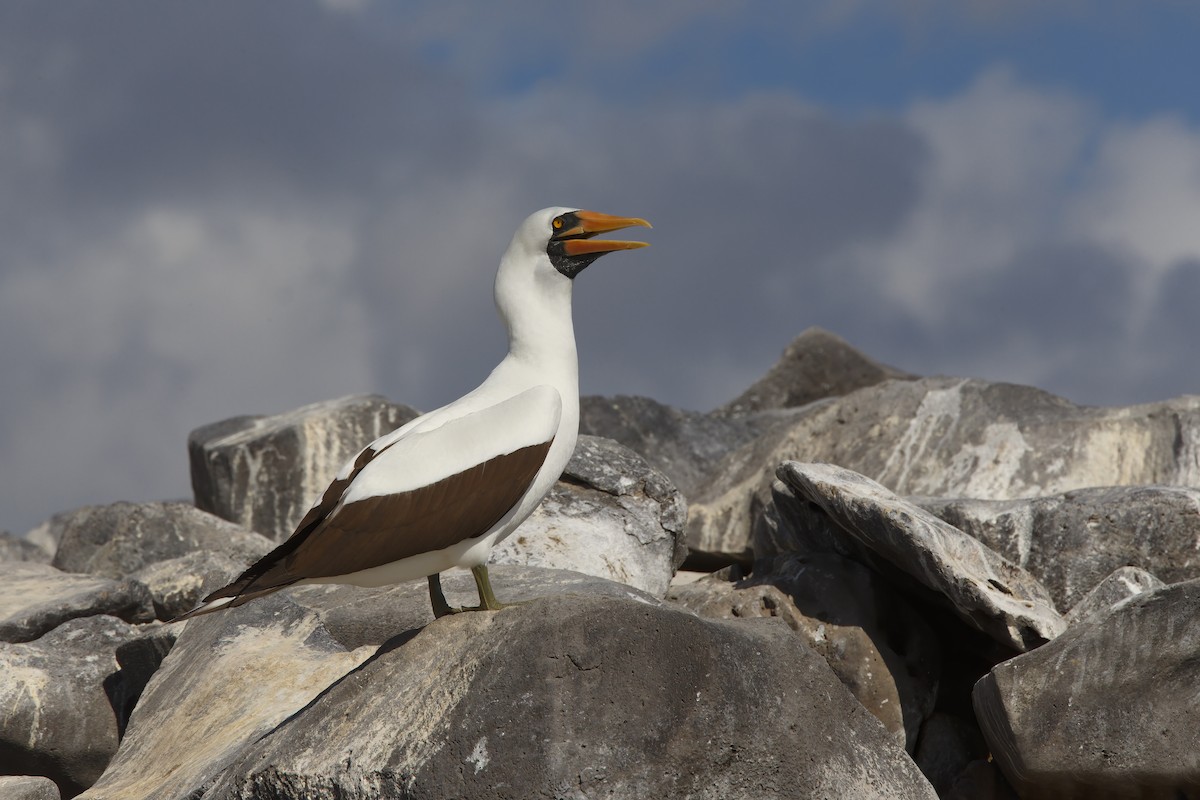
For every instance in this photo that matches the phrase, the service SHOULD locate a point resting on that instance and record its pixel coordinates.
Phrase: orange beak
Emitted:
(577, 241)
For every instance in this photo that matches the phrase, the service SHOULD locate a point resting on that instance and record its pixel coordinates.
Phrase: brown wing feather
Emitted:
(380, 530)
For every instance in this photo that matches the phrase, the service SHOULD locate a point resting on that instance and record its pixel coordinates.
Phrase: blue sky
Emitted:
(239, 207)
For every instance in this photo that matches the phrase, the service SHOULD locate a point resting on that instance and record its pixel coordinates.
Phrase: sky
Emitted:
(241, 207)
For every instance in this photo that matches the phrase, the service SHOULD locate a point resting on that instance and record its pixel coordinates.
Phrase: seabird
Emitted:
(440, 491)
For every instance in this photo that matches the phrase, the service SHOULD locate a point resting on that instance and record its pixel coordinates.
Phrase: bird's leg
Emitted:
(487, 599)
(440, 607)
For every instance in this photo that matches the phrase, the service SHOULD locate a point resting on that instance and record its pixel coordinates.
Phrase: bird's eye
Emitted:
(558, 223)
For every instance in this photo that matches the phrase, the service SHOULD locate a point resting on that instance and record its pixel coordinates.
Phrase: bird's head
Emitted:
(565, 235)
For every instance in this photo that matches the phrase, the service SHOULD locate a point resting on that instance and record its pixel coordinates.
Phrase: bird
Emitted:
(443, 489)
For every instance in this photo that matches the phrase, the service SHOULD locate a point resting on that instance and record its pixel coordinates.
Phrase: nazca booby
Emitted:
(440, 491)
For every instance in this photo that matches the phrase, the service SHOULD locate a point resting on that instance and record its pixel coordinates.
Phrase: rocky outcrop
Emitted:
(264, 473)
(612, 516)
(1123, 583)
(27, 787)
(1071, 541)
(37, 598)
(1106, 710)
(20, 548)
(985, 590)
(117, 540)
(954, 437)
(62, 696)
(536, 700)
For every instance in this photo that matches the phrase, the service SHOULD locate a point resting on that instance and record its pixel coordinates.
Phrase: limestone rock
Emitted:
(953, 437)
(36, 598)
(817, 364)
(871, 638)
(264, 473)
(544, 699)
(612, 516)
(686, 446)
(28, 787)
(20, 548)
(58, 719)
(1123, 583)
(1071, 541)
(114, 541)
(178, 584)
(1107, 709)
(988, 592)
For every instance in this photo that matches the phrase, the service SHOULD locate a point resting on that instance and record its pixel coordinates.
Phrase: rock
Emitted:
(1107, 709)
(686, 446)
(981, 587)
(264, 473)
(612, 516)
(817, 364)
(19, 548)
(1122, 584)
(952, 437)
(36, 598)
(28, 787)
(178, 584)
(947, 747)
(1071, 541)
(871, 638)
(47, 535)
(117, 540)
(58, 720)
(543, 699)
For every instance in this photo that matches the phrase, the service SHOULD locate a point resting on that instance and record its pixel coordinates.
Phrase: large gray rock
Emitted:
(28, 787)
(872, 639)
(612, 516)
(1122, 584)
(178, 584)
(594, 689)
(57, 716)
(1108, 709)
(20, 548)
(1071, 541)
(36, 598)
(952, 437)
(817, 364)
(117, 540)
(985, 590)
(264, 473)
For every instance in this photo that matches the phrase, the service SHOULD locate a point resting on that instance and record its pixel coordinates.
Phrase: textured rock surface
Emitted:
(264, 473)
(1123, 583)
(539, 700)
(28, 787)
(1109, 709)
(56, 710)
(1071, 541)
(817, 364)
(986, 591)
(177, 585)
(36, 598)
(953, 437)
(871, 638)
(114, 541)
(19, 548)
(612, 516)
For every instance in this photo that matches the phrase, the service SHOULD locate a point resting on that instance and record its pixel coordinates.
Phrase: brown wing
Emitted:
(387, 528)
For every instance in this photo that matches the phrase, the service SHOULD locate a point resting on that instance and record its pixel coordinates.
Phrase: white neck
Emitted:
(536, 308)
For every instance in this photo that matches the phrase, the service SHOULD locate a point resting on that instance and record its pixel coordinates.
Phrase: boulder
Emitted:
(1071, 541)
(117, 540)
(1108, 709)
(873, 640)
(58, 719)
(265, 472)
(36, 598)
(20, 548)
(906, 542)
(954, 437)
(1123, 583)
(178, 584)
(592, 689)
(28, 787)
(817, 364)
(612, 516)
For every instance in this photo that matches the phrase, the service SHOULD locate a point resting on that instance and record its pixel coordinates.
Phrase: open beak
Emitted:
(577, 241)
